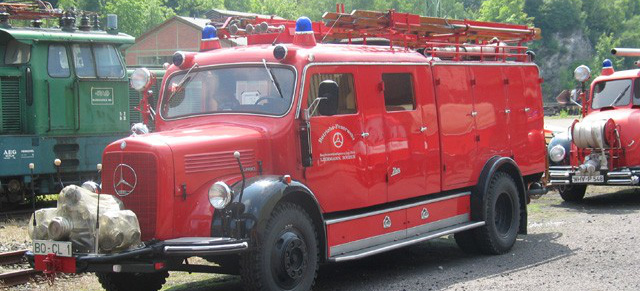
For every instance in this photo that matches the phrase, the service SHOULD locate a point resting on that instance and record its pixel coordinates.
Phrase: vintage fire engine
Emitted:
(601, 148)
(315, 143)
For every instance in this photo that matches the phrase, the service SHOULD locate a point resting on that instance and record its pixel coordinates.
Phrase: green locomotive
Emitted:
(64, 95)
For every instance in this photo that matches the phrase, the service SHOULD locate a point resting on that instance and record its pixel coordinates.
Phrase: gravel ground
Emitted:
(570, 246)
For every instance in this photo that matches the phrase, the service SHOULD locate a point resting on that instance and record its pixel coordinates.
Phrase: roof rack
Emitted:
(436, 37)
(29, 10)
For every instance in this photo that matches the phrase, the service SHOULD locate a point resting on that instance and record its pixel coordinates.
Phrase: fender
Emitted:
(509, 166)
(564, 140)
(260, 197)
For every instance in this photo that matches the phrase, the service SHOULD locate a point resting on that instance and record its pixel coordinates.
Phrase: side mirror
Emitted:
(328, 90)
(563, 97)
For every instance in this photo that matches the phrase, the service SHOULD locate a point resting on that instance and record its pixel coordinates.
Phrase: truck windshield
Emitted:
(611, 93)
(246, 89)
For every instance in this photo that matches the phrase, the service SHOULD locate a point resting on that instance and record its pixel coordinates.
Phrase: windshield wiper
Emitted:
(620, 95)
(183, 81)
(273, 79)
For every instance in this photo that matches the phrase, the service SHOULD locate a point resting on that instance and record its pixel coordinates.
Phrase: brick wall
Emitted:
(165, 40)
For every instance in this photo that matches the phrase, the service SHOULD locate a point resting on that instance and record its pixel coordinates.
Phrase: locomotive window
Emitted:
(83, 60)
(107, 61)
(58, 63)
(17, 53)
(346, 96)
(398, 92)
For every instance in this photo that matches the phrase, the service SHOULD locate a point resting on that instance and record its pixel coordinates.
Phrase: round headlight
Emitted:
(582, 73)
(219, 195)
(557, 153)
(140, 79)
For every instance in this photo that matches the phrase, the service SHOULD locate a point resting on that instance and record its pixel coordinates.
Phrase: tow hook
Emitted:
(536, 190)
(52, 265)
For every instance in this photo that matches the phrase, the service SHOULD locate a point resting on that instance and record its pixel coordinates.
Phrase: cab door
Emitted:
(62, 101)
(404, 132)
(338, 175)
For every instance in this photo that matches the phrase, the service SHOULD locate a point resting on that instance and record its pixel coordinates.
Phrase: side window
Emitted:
(398, 92)
(636, 91)
(17, 53)
(107, 61)
(57, 61)
(83, 60)
(347, 93)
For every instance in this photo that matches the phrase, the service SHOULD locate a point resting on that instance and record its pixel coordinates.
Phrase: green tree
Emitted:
(194, 8)
(509, 11)
(137, 16)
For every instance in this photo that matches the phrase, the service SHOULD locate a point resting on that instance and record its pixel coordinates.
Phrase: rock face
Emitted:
(572, 48)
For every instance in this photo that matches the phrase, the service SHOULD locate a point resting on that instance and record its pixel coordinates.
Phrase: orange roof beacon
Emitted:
(317, 142)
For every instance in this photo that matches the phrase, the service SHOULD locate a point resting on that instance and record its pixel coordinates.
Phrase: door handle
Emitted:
(507, 111)
(527, 109)
(364, 134)
(474, 113)
(423, 129)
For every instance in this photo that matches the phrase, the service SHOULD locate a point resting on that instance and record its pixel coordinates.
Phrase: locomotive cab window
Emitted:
(57, 61)
(17, 53)
(346, 92)
(83, 61)
(398, 92)
(108, 61)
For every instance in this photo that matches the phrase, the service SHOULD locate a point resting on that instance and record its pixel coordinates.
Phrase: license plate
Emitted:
(588, 179)
(59, 248)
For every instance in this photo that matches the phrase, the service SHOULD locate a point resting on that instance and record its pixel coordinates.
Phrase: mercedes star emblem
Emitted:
(124, 180)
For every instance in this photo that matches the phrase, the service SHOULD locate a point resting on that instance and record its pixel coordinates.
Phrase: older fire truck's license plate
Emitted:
(45, 247)
(588, 179)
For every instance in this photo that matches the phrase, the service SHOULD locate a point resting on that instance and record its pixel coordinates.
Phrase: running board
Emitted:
(355, 255)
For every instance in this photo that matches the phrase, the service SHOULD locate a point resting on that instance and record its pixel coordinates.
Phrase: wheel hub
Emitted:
(292, 258)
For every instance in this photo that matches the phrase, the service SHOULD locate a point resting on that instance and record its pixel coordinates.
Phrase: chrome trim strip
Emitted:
(432, 226)
(559, 168)
(619, 182)
(558, 174)
(619, 174)
(358, 216)
(368, 242)
(559, 182)
(205, 250)
(204, 68)
(407, 242)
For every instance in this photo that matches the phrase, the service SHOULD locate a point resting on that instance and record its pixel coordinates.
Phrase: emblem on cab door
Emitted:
(424, 214)
(395, 171)
(124, 180)
(338, 139)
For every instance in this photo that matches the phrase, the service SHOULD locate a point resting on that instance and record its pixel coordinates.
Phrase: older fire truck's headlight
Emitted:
(557, 153)
(582, 73)
(219, 195)
(140, 79)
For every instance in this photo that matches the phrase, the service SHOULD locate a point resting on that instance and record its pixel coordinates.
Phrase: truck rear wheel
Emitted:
(572, 193)
(132, 281)
(286, 255)
(502, 216)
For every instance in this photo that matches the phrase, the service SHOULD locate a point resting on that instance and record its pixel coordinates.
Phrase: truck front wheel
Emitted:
(572, 193)
(286, 257)
(132, 281)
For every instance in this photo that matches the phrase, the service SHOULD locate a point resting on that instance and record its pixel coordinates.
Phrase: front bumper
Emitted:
(158, 256)
(565, 176)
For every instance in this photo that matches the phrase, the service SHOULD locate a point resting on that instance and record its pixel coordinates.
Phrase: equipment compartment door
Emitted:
(338, 176)
(457, 125)
(61, 96)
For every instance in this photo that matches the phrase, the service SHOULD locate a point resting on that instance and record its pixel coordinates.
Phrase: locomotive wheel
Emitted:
(572, 193)
(132, 281)
(286, 255)
(502, 216)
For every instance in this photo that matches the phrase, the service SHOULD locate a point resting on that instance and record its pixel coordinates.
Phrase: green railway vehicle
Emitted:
(64, 95)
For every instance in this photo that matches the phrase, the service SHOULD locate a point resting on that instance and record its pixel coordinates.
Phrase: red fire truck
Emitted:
(601, 148)
(324, 142)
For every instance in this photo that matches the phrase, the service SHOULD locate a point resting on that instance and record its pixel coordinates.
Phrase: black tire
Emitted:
(501, 208)
(573, 193)
(466, 240)
(132, 281)
(286, 255)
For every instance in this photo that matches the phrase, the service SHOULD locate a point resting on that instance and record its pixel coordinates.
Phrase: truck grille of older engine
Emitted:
(143, 199)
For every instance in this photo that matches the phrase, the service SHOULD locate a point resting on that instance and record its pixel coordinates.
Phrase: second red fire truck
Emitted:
(315, 143)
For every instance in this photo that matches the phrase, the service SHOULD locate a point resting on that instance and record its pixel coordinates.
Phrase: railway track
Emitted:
(15, 277)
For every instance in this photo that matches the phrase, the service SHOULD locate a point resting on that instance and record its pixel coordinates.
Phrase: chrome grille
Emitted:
(143, 200)
(10, 104)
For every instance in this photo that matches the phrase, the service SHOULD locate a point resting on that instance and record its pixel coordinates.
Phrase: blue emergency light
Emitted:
(209, 32)
(607, 64)
(303, 25)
